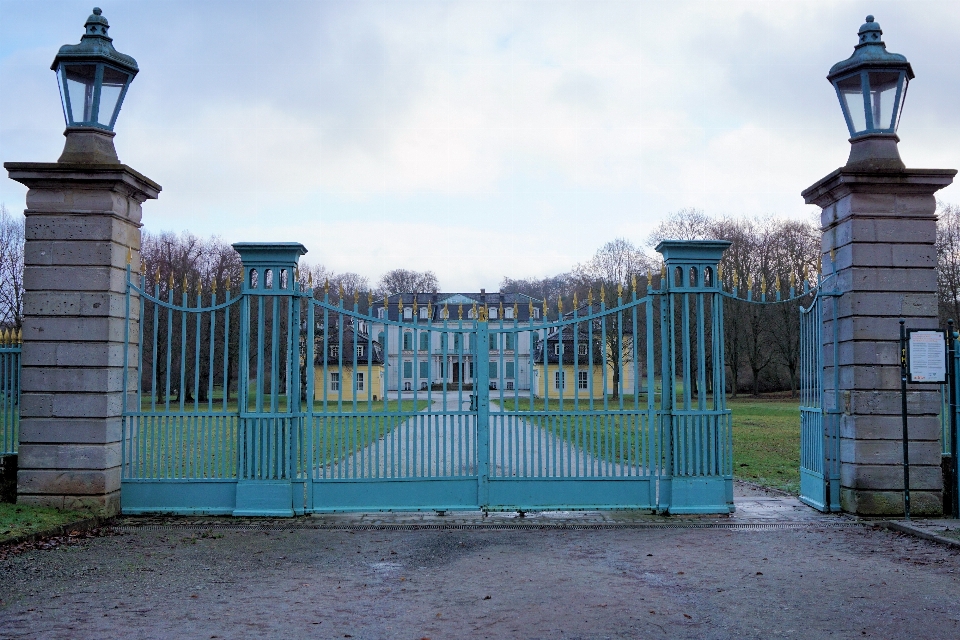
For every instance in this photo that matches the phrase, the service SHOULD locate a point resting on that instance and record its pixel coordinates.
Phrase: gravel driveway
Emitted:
(803, 577)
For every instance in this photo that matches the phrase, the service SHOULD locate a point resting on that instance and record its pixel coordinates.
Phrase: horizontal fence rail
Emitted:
(10, 348)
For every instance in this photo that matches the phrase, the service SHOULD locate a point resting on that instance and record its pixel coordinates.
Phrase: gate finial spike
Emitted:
(603, 294)
(228, 282)
(460, 311)
(530, 309)
(213, 286)
(20, 336)
(590, 299)
(446, 311)
(156, 277)
(129, 255)
(663, 274)
(170, 282)
(3, 338)
(777, 282)
(649, 279)
(414, 305)
(576, 303)
(619, 290)
(763, 284)
(340, 291)
(429, 309)
(399, 306)
(326, 286)
(516, 311)
(736, 284)
(633, 281)
(559, 304)
(793, 280)
(370, 302)
(356, 297)
(544, 308)
(199, 286)
(310, 279)
(473, 310)
(185, 284)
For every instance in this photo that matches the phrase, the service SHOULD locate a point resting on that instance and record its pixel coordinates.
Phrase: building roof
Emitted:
(333, 349)
(583, 339)
(453, 300)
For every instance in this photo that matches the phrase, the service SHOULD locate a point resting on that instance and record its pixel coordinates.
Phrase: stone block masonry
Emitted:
(82, 223)
(879, 229)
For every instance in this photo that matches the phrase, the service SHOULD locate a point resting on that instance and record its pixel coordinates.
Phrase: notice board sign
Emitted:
(926, 356)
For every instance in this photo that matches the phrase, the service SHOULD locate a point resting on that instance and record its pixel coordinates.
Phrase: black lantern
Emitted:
(93, 77)
(871, 85)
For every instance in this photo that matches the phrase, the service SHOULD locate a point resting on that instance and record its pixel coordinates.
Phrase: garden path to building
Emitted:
(773, 569)
(444, 446)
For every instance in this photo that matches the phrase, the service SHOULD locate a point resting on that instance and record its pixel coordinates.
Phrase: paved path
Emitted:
(432, 444)
(774, 569)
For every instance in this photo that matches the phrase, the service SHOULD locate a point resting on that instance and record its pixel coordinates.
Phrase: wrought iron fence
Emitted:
(10, 347)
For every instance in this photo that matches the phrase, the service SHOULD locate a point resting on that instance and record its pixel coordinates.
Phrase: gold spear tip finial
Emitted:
(603, 294)
(310, 279)
(590, 298)
(793, 279)
(460, 311)
(559, 304)
(3, 338)
(576, 303)
(777, 282)
(649, 278)
(185, 285)
(370, 299)
(633, 282)
(213, 286)
(20, 336)
(619, 290)
(736, 280)
(340, 290)
(516, 310)
(763, 283)
(129, 255)
(199, 286)
(326, 285)
(356, 297)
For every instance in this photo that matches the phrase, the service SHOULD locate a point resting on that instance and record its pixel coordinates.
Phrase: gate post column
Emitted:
(82, 226)
(879, 229)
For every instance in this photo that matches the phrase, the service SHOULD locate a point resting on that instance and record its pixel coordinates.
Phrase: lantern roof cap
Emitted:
(870, 52)
(95, 46)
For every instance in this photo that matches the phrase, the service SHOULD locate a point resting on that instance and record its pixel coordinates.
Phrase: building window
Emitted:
(493, 342)
(381, 312)
(425, 370)
(582, 349)
(581, 379)
(359, 350)
(493, 313)
(508, 370)
(334, 381)
(423, 313)
(556, 349)
(558, 380)
(407, 313)
(424, 341)
(493, 369)
(359, 381)
(443, 342)
(407, 369)
(508, 313)
(407, 341)
(536, 312)
(361, 326)
(471, 369)
(470, 312)
(456, 342)
(380, 338)
(508, 340)
(335, 351)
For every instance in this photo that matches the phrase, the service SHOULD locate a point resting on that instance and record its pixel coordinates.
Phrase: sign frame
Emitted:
(924, 379)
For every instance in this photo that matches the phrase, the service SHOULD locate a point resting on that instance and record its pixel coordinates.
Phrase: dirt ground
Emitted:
(294, 580)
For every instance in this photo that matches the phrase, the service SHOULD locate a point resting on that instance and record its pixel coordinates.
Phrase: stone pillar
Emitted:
(82, 224)
(879, 228)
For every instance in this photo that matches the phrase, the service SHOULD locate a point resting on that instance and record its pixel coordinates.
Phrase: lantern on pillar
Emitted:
(871, 85)
(93, 79)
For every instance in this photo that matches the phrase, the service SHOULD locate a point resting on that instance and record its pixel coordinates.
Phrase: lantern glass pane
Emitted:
(851, 91)
(63, 93)
(883, 93)
(81, 81)
(110, 90)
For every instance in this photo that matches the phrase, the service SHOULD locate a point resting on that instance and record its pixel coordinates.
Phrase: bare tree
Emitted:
(11, 269)
(948, 262)
(407, 281)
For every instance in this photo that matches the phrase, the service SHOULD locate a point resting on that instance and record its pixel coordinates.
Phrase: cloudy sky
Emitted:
(475, 139)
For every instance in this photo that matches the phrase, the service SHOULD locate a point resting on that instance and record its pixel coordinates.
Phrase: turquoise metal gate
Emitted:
(10, 347)
(282, 401)
(819, 413)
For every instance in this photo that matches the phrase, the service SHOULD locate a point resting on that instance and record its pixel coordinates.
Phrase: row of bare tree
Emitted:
(767, 255)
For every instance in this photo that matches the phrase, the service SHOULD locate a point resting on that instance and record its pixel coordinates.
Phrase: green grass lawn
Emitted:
(204, 445)
(766, 441)
(18, 520)
(766, 435)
